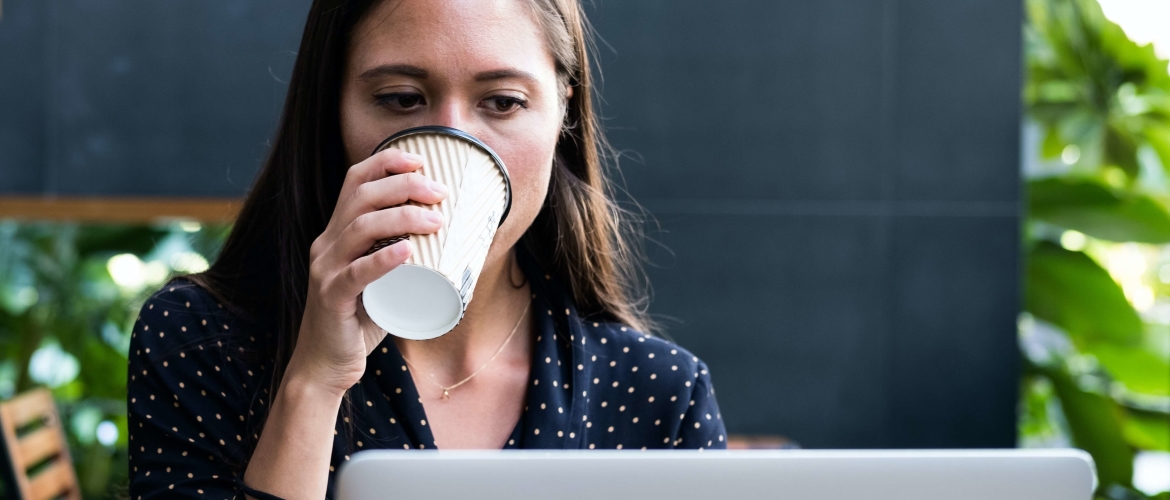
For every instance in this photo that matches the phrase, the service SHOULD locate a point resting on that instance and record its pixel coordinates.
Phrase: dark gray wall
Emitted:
(836, 180)
(131, 98)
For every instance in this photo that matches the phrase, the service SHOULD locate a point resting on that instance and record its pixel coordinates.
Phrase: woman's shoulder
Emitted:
(180, 299)
(642, 378)
(184, 321)
(185, 343)
(192, 386)
(182, 316)
(625, 346)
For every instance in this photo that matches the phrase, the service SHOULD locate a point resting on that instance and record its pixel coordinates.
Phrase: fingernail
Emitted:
(412, 157)
(437, 187)
(433, 216)
(401, 248)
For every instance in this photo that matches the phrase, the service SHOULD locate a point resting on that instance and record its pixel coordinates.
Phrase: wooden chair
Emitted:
(42, 449)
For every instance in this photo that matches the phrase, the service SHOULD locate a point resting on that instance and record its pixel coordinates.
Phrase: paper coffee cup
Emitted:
(427, 296)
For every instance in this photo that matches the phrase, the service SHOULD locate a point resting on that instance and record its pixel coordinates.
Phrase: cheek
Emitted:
(359, 131)
(529, 163)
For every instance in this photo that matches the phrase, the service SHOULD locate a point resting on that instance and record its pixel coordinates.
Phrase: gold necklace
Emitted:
(447, 389)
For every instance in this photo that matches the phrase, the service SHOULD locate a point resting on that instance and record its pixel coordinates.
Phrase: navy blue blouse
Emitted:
(197, 391)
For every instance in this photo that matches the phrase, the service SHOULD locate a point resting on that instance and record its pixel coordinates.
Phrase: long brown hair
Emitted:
(581, 235)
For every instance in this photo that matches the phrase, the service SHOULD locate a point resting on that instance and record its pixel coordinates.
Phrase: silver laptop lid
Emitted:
(708, 475)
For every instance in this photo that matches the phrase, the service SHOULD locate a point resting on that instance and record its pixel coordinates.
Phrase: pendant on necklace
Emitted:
(446, 395)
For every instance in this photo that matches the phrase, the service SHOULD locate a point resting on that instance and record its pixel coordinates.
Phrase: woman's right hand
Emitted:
(336, 335)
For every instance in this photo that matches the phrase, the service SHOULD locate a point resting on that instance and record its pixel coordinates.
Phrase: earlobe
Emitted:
(565, 125)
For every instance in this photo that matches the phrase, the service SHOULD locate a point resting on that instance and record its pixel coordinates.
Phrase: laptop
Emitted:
(719, 475)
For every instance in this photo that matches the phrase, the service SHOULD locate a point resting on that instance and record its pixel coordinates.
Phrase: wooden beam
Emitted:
(132, 210)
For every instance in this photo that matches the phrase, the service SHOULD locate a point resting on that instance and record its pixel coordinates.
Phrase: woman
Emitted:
(263, 375)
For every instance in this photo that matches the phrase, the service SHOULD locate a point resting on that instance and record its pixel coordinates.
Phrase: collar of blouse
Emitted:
(386, 411)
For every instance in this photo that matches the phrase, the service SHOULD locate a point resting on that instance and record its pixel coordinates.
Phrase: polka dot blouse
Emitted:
(197, 391)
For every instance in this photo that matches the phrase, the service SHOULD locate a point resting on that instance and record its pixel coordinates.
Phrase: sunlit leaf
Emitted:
(70, 392)
(1099, 211)
(123, 424)
(1101, 91)
(1158, 137)
(1138, 369)
(1071, 290)
(1053, 145)
(1036, 423)
(1148, 431)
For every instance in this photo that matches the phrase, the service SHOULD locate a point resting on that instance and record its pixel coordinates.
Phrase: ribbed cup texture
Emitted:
(471, 212)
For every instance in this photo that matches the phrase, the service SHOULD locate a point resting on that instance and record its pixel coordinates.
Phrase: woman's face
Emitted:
(481, 66)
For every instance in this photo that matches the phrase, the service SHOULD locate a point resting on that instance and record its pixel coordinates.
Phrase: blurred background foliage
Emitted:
(1095, 335)
(69, 295)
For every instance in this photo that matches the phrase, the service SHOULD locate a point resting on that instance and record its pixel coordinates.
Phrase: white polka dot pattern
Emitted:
(197, 390)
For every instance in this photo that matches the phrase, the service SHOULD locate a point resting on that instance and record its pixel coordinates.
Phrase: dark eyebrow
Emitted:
(393, 69)
(500, 74)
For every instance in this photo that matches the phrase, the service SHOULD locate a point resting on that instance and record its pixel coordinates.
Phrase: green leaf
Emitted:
(1069, 289)
(1095, 424)
(1148, 431)
(1098, 211)
(1159, 139)
(105, 373)
(1053, 145)
(1121, 150)
(1138, 369)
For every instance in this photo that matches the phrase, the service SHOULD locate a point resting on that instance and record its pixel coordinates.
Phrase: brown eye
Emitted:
(400, 101)
(504, 104)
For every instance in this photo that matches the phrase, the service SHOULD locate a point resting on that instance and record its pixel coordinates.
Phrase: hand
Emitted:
(336, 335)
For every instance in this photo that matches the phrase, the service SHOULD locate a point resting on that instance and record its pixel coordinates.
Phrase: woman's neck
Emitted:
(490, 317)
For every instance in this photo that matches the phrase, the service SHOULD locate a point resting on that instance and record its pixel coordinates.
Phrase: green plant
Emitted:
(69, 295)
(1096, 335)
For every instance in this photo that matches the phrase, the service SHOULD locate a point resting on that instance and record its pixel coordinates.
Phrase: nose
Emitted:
(451, 114)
